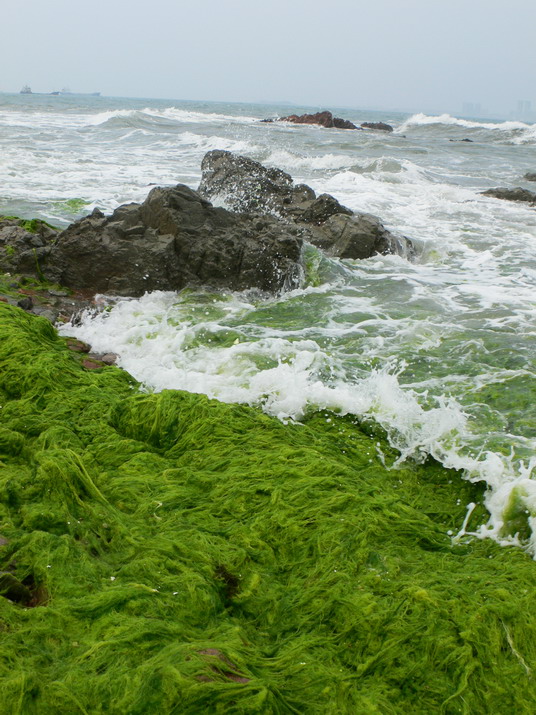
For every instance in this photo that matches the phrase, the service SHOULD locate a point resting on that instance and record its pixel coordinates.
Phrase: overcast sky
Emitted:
(419, 55)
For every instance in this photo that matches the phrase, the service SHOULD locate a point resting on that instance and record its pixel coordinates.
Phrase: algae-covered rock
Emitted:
(190, 556)
(23, 244)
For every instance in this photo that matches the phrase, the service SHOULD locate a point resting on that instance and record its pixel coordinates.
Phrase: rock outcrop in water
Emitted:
(321, 119)
(378, 126)
(517, 194)
(177, 238)
(245, 185)
(530, 176)
(173, 239)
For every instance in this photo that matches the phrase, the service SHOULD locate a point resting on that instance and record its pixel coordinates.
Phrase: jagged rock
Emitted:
(530, 176)
(517, 194)
(357, 236)
(246, 185)
(322, 119)
(243, 184)
(380, 126)
(23, 244)
(173, 239)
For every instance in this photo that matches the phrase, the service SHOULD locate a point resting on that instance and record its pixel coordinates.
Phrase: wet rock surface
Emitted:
(246, 185)
(173, 239)
(178, 238)
(378, 126)
(321, 119)
(517, 194)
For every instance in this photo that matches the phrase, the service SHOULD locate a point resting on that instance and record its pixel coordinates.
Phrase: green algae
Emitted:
(71, 206)
(34, 225)
(187, 556)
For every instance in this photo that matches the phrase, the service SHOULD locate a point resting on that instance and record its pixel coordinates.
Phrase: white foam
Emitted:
(447, 119)
(180, 116)
(157, 340)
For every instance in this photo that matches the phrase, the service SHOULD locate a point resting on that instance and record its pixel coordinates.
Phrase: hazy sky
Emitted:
(429, 55)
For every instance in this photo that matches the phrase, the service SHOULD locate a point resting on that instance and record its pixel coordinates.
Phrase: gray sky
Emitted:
(429, 55)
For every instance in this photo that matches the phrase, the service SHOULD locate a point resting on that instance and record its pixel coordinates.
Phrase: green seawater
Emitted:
(189, 556)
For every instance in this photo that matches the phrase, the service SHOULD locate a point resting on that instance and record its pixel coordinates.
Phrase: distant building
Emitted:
(472, 109)
(524, 111)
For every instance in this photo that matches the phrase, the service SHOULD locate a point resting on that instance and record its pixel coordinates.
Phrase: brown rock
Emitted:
(322, 119)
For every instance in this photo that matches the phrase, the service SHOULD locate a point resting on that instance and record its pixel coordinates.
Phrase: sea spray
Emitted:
(243, 348)
(187, 554)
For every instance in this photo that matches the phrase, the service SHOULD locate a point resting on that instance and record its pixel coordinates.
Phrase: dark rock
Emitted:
(246, 185)
(25, 303)
(517, 194)
(379, 126)
(320, 209)
(322, 119)
(356, 236)
(175, 238)
(13, 589)
(530, 176)
(461, 140)
(21, 250)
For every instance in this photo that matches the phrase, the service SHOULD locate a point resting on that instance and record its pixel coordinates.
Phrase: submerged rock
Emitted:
(321, 119)
(530, 176)
(173, 239)
(379, 126)
(243, 184)
(517, 194)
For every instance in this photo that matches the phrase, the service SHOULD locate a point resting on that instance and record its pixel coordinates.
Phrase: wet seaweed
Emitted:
(187, 556)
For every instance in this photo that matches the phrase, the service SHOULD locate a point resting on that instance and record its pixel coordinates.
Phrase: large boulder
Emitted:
(173, 239)
(530, 176)
(321, 119)
(517, 194)
(243, 184)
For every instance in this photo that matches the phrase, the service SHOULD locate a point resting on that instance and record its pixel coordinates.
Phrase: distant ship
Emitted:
(28, 90)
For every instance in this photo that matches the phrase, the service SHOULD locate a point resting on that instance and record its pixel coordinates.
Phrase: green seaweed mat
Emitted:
(187, 556)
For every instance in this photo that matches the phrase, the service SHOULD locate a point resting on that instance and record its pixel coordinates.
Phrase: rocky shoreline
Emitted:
(177, 237)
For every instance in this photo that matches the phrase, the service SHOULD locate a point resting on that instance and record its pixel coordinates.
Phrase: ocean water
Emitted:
(439, 350)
